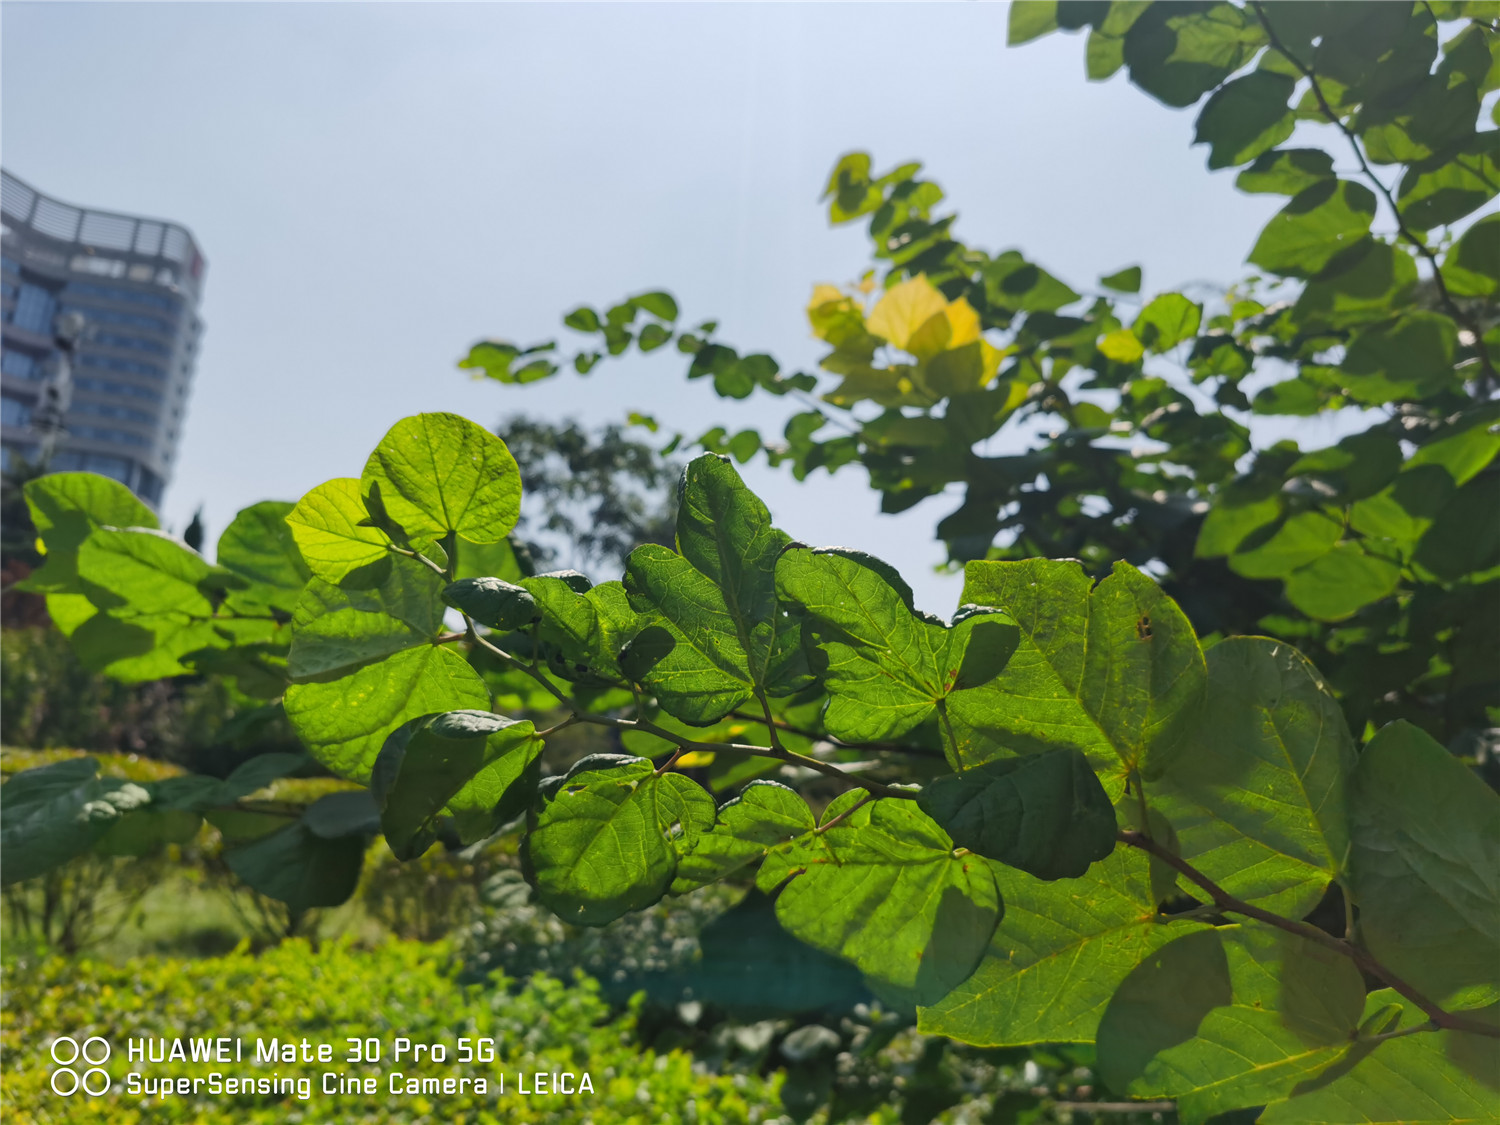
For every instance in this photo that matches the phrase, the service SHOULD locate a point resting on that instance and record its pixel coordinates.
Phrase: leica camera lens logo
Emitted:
(71, 1057)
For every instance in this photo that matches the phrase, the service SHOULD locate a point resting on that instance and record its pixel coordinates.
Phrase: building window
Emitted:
(19, 365)
(128, 366)
(110, 387)
(120, 293)
(109, 410)
(34, 310)
(130, 320)
(117, 437)
(114, 340)
(14, 412)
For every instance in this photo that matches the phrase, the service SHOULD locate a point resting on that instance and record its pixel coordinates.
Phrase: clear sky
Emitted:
(376, 186)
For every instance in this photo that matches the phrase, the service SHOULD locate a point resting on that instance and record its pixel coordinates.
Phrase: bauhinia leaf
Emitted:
(716, 601)
(330, 526)
(880, 885)
(889, 668)
(1045, 813)
(767, 813)
(344, 722)
(493, 602)
(440, 473)
(1295, 1009)
(1420, 1079)
(462, 764)
(1057, 957)
(1426, 866)
(1114, 671)
(53, 813)
(1258, 801)
(605, 839)
(582, 631)
(297, 866)
(338, 627)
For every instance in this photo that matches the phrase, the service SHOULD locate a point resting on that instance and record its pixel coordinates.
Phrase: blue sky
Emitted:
(376, 186)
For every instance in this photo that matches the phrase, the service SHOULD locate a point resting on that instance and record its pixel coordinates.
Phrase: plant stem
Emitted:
(1227, 903)
(473, 635)
(789, 757)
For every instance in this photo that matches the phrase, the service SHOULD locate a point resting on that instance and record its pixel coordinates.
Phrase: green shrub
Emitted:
(326, 995)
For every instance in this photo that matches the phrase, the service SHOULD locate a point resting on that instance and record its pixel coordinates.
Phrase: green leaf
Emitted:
(1286, 171)
(888, 668)
(1045, 813)
(658, 304)
(1464, 539)
(1245, 117)
(882, 888)
(332, 531)
(1160, 1005)
(496, 359)
(56, 812)
(1409, 358)
(605, 840)
(336, 628)
(1368, 282)
(1341, 583)
(1425, 1078)
(1127, 280)
(1259, 804)
(1059, 955)
(1426, 867)
(344, 722)
(584, 631)
(1178, 53)
(583, 319)
(1452, 184)
(300, 868)
(1319, 223)
(1472, 267)
(1297, 541)
(1031, 19)
(65, 508)
(147, 571)
(493, 602)
(716, 600)
(1296, 1007)
(258, 545)
(461, 764)
(1114, 671)
(350, 812)
(440, 473)
(1167, 321)
(765, 814)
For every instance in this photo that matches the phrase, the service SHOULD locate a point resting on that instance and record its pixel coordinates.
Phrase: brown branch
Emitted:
(1227, 903)
(1402, 229)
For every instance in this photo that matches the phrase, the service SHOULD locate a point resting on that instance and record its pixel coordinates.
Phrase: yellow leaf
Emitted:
(824, 294)
(1122, 346)
(904, 309)
(695, 759)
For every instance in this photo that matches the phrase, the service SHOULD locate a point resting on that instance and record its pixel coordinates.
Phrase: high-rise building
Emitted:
(136, 283)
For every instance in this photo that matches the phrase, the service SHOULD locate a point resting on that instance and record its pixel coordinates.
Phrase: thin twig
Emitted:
(1227, 903)
(473, 635)
(786, 756)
